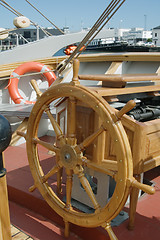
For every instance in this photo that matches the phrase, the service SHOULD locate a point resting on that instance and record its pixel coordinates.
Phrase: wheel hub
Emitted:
(68, 156)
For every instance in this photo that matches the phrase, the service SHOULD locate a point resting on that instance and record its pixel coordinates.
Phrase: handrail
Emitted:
(121, 78)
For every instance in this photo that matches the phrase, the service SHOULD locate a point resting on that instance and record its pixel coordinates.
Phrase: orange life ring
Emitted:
(22, 69)
(70, 49)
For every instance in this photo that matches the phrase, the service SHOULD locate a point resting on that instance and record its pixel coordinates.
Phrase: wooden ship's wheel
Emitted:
(70, 155)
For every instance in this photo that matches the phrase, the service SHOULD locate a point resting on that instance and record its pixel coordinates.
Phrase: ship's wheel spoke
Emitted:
(59, 181)
(85, 183)
(47, 145)
(56, 127)
(59, 176)
(53, 170)
(102, 168)
(90, 138)
(69, 182)
(71, 128)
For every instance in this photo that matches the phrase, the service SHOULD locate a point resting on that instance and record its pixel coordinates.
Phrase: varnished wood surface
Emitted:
(121, 77)
(102, 91)
(119, 80)
(5, 231)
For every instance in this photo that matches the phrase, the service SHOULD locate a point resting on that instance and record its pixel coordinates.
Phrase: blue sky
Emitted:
(84, 13)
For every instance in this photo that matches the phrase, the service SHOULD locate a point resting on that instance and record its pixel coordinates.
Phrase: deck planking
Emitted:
(17, 234)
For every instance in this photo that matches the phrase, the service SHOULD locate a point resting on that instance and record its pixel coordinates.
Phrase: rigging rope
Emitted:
(14, 11)
(9, 9)
(45, 17)
(101, 27)
(27, 74)
(7, 31)
(108, 13)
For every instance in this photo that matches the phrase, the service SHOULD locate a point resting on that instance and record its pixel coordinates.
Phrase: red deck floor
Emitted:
(147, 225)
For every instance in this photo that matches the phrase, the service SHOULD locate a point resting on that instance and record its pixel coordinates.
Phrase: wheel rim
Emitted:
(70, 156)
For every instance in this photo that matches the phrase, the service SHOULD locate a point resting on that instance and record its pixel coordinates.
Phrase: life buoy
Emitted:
(25, 68)
(70, 49)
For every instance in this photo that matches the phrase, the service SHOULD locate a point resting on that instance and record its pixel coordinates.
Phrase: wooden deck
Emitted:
(17, 234)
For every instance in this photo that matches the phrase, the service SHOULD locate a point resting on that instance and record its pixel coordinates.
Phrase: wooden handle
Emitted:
(22, 134)
(36, 88)
(129, 106)
(75, 71)
(32, 188)
(143, 187)
(110, 232)
(107, 79)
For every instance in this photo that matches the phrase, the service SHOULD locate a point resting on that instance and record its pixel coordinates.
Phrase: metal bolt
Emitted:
(67, 156)
(121, 213)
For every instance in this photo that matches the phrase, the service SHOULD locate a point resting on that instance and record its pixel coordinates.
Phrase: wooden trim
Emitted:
(102, 91)
(121, 77)
(52, 62)
(113, 67)
(136, 57)
(151, 163)
(5, 229)
(152, 126)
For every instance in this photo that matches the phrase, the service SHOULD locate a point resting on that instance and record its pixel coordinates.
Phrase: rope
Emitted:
(26, 75)
(108, 13)
(14, 11)
(101, 28)
(7, 31)
(104, 15)
(9, 9)
(45, 17)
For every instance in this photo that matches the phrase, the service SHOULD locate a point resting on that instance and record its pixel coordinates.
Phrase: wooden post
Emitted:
(5, 228)
(75, 79)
